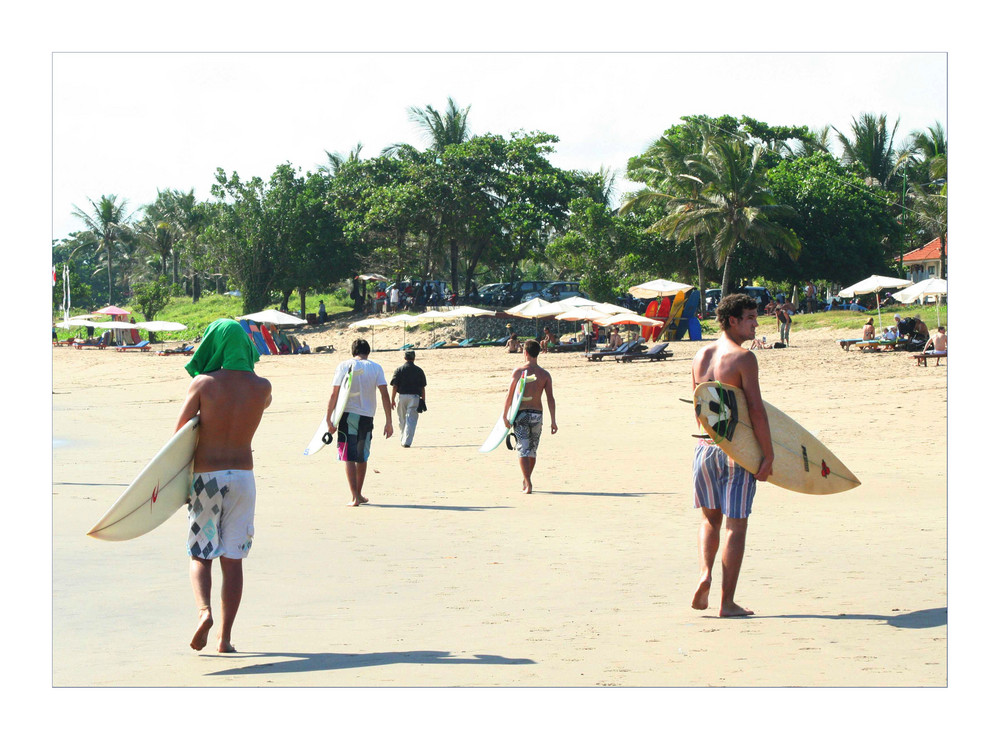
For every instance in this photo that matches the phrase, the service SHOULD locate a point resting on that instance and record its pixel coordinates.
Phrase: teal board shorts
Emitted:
(354, 437)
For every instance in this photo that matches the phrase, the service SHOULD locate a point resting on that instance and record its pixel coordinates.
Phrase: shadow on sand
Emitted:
(373, 505)
(918, 620)
(605, 493)
(305, 662)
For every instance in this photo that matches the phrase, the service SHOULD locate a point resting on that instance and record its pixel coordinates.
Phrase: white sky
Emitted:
(176, 117)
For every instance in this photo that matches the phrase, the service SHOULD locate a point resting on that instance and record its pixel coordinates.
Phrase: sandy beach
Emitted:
(452, 577)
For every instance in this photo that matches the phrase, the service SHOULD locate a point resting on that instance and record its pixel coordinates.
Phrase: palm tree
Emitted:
(109, 223)
(442, 130)
(733, 205)
(871, 148)
(819, 140)
(336, 160)
(932, 148)
(666, 169)
(931, 211)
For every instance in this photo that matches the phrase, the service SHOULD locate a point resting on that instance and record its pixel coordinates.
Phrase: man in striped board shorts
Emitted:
(724, 491)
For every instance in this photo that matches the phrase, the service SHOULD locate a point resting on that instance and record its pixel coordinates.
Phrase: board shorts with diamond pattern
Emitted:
(220, 514)
(719, 483)
(528, 432)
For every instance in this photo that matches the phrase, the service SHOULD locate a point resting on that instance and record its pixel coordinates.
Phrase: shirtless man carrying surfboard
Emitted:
(527, 425)
(723, 490)
(230, 400)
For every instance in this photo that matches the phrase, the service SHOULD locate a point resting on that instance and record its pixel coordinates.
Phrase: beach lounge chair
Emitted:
(879, 345)
(921, 357)
(845, 344)
(142, 346)
(437, 345)
(568, 347)
(656, 352)
(99, 344)
(187, 349)
(627, 348)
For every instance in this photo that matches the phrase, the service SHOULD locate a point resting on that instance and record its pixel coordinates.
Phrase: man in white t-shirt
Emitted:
(393, 299)
(354, 433)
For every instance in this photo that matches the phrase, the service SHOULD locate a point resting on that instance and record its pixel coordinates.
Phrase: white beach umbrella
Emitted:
(874, 284)
(658, 288)
(369, 323)
(628, 318)
(404, 319)
(929, 288)
(464, 311)
(160, 326)
(583, 313)
(434, 315)
(273, 316)
(574, 301)
(111, 325)
(611, 309)
(536, 308)
(75, 323)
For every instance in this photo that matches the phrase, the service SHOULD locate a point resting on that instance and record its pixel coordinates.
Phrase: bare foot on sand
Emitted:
(226, 647)
(360, 501)
(734, 610)
(200, 639)
(700, 600)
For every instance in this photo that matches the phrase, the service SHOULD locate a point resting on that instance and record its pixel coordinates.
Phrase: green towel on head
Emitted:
(225, 346)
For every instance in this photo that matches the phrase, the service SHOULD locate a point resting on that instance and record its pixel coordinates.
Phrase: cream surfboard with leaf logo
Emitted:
(801, 462)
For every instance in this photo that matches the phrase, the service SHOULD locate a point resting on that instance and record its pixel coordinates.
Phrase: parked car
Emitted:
(490, 293)
(561, 290)
(518, 292)
(761, 295)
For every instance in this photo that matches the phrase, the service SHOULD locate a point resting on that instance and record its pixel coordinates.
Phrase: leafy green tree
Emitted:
(110, 223)
(846, 226)
(308, 232)
(151, 298)
(597, 246)
(244, 237)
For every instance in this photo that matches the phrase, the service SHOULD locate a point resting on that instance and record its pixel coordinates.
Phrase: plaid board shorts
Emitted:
(719, 483)
(220, 514)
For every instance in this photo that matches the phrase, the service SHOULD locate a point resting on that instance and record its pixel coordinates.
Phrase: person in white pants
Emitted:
(409, 384)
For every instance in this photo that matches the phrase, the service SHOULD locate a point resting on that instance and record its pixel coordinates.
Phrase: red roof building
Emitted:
(925, 262)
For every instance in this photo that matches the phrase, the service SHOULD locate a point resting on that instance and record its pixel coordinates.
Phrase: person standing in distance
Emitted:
(724, 491)
(354, 433)
(527, 425)
(229, 399)
(410, 383)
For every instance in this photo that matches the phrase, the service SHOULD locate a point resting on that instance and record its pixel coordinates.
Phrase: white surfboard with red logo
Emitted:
(162, 487)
